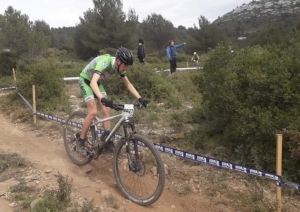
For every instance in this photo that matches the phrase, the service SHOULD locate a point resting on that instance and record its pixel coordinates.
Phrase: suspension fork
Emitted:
(131, 126)
(93, 125)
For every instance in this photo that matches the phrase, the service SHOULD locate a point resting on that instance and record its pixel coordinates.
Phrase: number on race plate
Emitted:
(128, 110)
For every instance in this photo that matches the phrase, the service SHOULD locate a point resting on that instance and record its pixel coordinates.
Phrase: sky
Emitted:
(60, 13)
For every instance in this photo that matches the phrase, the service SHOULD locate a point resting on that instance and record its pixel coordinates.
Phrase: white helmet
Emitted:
(195, 53)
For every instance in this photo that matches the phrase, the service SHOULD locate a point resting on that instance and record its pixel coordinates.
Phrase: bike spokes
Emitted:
(141, 178)
(73, 127)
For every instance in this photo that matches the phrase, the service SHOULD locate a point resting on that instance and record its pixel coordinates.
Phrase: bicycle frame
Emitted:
(128, 159)
(124, 119)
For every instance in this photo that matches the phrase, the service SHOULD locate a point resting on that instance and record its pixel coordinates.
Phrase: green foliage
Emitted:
(160, 88)
(112, 202)
(153, 58)
(21, 187)
(206, 37)
(267, 36)
(8, 61)
(64, 188)
(249, 96)
(149, 84)
(157, 31)
(11, 160)
(63, 38)
(53, 200)
(49, 203)
(20, 36)
(46, 75)
(88, 206)
(6, 81)
(101, 28)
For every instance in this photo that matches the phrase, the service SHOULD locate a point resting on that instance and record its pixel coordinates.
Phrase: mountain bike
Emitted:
(195, 63)
(137, 165)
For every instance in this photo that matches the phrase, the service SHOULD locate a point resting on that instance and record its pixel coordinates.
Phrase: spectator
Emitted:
(141, 51)
(171, 54)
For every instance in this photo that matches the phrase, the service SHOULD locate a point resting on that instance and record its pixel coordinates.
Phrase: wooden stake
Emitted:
(14, 74)
(279, 170)
(33, 103)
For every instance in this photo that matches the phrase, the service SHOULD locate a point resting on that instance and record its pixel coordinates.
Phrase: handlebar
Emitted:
(119, 107)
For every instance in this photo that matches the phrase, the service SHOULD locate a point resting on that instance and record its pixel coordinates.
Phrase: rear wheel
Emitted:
(71, 128)
(142, 182)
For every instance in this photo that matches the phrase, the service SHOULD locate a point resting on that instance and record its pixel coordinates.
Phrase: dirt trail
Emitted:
(47, 154)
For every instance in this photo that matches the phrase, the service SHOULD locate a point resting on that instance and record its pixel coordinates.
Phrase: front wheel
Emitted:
(73, 126)
(143, 181)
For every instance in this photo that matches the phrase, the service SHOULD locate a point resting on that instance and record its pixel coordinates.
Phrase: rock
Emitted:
(166, 169)
(87, 169)
(49, 170)
(105, 193)
(177, 135)
(13, 204)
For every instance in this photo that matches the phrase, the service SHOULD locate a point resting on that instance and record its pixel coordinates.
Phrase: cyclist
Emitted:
(90, 78)
(195, 59)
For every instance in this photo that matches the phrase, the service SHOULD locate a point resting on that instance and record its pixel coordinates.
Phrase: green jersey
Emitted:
(102, 65)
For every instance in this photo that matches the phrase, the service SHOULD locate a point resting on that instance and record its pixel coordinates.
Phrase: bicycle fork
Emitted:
(133, 165)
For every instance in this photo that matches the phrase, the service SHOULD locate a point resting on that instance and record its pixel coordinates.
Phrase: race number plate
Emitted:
(128, 110)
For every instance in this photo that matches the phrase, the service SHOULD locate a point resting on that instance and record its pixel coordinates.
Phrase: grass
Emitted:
(112, 202)
(54, 200)
(11, 160)
(184, 189)
(6, 81)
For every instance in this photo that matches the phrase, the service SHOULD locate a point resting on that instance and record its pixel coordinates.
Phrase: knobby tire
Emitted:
(145, 186)
(69, 131)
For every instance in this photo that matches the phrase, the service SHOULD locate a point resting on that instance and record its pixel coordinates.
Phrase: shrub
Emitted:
(46, 75)
(8, 61)
(149, 84)
(249, 96)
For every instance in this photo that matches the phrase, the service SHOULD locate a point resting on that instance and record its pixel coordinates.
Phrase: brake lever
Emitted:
(140, 105)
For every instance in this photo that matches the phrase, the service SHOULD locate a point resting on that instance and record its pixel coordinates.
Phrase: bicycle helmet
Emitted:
(125, 55)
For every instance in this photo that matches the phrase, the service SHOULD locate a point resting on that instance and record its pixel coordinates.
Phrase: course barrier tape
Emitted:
(216, 162)
(187, 155)
(179, 69)
(8, 88)
(289, 184)
(158, 71)
(26, 102)
(50, 117)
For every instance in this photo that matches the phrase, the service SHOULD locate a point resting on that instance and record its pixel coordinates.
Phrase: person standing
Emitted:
(141, 51)
(171, 54)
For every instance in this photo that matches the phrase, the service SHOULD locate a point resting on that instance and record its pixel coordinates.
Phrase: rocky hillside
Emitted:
(252, 17)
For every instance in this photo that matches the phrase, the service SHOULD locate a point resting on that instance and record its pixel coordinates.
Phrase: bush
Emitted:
(46, 75)
(251, 95)
(8, 61)
(149, 84)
